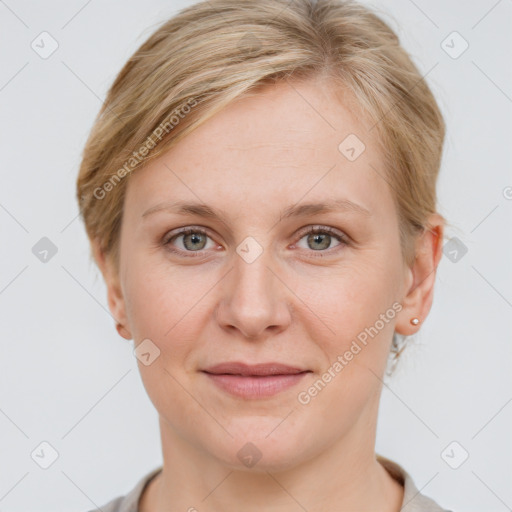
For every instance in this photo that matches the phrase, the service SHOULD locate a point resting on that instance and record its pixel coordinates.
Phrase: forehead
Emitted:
(276, 146)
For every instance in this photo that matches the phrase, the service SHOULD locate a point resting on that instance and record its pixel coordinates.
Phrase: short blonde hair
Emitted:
(215, 51)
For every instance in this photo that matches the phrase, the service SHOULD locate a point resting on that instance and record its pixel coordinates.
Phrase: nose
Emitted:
(254, 301)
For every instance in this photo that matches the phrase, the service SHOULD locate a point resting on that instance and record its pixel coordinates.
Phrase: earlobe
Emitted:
(123, 332)
(409, 304)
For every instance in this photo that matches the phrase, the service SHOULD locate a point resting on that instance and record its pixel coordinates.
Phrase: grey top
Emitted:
(413, 500)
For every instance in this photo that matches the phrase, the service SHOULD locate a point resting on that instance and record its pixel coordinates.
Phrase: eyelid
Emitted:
(312, 228)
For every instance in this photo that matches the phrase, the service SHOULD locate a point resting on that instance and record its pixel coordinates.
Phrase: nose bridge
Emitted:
(252, 301)
(251, 272)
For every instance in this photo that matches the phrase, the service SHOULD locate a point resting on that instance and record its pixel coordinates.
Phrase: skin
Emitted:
(258, 156)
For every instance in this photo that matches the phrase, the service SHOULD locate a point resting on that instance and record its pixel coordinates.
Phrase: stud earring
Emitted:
(415, 321)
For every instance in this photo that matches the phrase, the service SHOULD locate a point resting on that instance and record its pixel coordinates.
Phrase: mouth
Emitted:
(254, 381)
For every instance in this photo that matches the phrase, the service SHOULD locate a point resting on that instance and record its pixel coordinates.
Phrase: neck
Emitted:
(345, 476)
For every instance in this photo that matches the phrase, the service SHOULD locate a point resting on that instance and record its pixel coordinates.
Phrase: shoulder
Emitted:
(130, 501)
(414, 500)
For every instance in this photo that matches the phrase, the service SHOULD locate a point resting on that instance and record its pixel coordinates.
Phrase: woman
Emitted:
(297, 147)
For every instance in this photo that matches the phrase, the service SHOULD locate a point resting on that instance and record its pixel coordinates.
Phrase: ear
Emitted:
(116, 302)
(421, 277)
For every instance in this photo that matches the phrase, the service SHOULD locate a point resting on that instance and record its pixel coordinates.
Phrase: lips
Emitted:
(259, 381)
(256, 370)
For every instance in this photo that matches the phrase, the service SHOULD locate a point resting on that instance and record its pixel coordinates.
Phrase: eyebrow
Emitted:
(302, 210)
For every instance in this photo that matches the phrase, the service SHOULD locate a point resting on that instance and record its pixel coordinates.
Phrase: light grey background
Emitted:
(67, 378)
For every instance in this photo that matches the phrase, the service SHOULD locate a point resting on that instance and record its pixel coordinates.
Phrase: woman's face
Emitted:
(250, 283)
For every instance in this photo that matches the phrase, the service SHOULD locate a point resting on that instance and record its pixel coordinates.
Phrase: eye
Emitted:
(319, 238)
(195, 240)
(192, 240)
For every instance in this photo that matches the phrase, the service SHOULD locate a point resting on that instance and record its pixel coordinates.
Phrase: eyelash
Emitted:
(341, 237)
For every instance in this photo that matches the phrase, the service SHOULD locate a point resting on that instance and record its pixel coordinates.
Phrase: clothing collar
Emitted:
(413, 500)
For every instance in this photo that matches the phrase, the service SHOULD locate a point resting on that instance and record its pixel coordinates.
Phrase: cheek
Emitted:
(357, 306)
(160, 297)
(345, 300)
(169, 306)
(354, 319)
(151, 306)
(164, 306)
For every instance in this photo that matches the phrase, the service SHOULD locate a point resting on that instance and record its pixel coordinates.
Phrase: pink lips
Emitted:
(254, 381)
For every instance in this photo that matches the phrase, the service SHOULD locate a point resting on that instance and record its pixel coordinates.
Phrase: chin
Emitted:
(263, 445)
(263, 460)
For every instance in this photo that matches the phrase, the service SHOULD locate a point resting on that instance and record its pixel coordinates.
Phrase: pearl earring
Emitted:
(415, 321)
